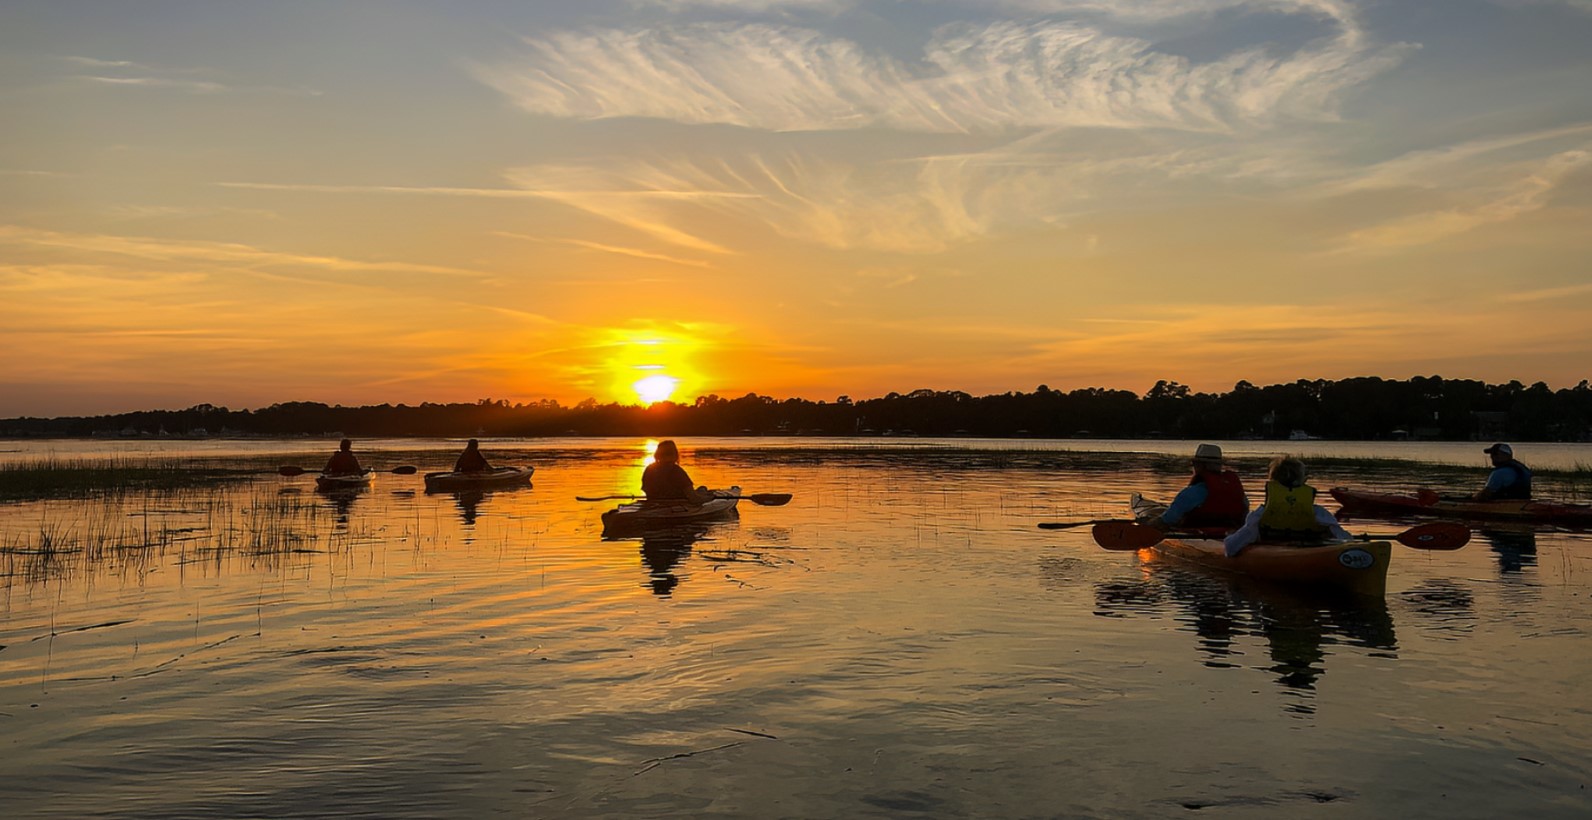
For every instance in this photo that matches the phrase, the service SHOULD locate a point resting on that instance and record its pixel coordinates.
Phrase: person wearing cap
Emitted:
(343, 461)
(1290, 514)
(1510, 480)
(471, 460)
(664, 478)
(1214, 497)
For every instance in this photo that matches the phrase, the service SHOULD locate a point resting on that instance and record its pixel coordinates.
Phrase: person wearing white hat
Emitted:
(1510, 480)
(1214, 497)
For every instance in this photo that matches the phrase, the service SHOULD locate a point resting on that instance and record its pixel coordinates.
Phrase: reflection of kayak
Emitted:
(1430, 504)
(500, 477)
(328, 482)
(1357, 565)
(644, 515)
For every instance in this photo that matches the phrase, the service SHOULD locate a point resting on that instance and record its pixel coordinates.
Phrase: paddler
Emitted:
(1510, 480)
(664, 478)
(471, 460)
(1290, 514)
(1214, 497)
(343, 461)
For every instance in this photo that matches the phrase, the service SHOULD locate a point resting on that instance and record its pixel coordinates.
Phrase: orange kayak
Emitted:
(1357, 565)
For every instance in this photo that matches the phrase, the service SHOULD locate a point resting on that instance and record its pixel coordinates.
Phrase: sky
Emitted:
(377, 201)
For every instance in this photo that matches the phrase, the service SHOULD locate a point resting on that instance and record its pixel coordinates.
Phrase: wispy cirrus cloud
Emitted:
(191, 86)
(618, 250)
(1477, 183)
(1128, 9)
(135, 75)
(219, 253)
(991, 77)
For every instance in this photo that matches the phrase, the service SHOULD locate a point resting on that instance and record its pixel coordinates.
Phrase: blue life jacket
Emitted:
(1520, 490)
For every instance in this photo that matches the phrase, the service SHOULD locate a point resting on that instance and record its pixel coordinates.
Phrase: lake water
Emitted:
(900, 640)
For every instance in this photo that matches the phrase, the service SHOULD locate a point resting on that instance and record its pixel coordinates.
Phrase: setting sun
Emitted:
(655, 388)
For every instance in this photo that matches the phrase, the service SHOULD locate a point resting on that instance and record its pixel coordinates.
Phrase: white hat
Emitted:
(1502, 449)
(1208, 452)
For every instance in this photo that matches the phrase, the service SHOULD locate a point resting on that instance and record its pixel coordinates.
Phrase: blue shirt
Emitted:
(1187, 500)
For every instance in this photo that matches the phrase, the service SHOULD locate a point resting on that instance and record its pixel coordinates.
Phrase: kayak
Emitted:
(486, 479)
(327, 482)
(1355, 565)
(643, 515)
(1428, 503)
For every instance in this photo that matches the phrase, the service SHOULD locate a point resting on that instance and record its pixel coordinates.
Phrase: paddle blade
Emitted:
(404, 470)
(1067, 525)
(1439, 535)
(769, 499)
(291, 471)
(1126, 535)
(606, 498)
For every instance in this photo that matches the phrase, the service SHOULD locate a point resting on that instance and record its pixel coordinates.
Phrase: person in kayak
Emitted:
(1214, 497)
(343, 461)
(1510, 480)
(1290, 514)
(664, 478)
(471, 460)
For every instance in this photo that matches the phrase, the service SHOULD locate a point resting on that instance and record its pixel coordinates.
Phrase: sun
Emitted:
(655, 388)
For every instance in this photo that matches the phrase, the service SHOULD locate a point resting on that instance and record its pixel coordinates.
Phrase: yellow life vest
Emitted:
(1290, 512)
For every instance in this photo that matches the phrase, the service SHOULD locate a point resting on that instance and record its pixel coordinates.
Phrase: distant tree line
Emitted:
(1357, 408)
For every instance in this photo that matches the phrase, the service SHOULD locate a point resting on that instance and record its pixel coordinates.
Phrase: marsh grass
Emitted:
(131, 533)
(51, 477)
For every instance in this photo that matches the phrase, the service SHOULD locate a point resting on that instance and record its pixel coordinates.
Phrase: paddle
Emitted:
(290, 471)
(1067, 525)
(1129, 535)
(765, 499)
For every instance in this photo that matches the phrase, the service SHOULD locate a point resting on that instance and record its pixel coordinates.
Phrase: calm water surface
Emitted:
(898, 641)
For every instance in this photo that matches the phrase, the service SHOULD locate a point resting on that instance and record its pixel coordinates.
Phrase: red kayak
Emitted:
(1428, 503)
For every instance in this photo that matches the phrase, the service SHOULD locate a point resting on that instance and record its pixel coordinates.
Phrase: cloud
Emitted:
(221, 253)
(755, 6)
(994, 77)
(1529, 190)
(1153, 10)
(128, 74)
(1545, 294)
(635, 253)
(191, 86)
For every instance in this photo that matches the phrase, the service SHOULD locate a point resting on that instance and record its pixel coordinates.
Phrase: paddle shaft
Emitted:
(291, 471)
(764, 499)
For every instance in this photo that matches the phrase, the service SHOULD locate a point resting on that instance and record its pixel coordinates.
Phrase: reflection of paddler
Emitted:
(467, 502)
(660, 552)
(1516, 548)
(1296, 623)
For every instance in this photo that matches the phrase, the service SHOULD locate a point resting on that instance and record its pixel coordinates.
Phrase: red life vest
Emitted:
(1225, 503)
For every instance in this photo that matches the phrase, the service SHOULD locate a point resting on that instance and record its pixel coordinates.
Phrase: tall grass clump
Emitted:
(52, 477)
